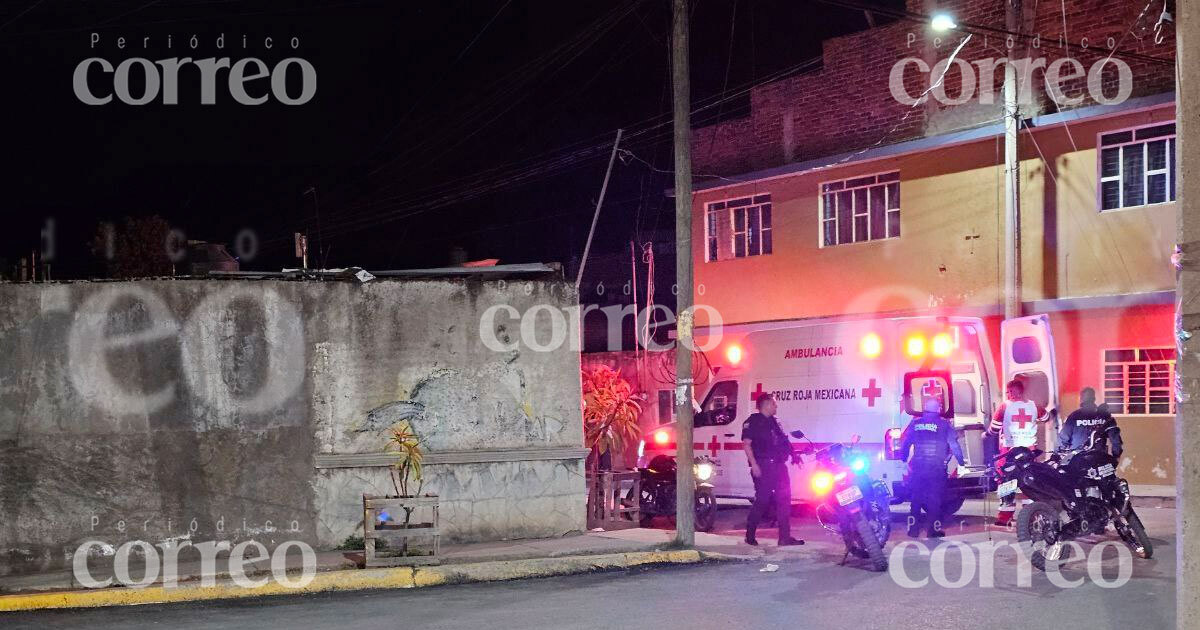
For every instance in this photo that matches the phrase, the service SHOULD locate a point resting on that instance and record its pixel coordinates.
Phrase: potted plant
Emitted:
(378, 523)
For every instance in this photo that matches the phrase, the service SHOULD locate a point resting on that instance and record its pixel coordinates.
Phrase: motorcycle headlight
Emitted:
(704, 471)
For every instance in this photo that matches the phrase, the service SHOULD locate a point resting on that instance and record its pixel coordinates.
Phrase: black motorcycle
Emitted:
(657, 492)
(1075, 493)
(853, 505)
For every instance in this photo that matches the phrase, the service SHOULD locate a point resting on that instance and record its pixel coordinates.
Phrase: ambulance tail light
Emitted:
(733, 354)
(891, 443)
(661, 437)
(822, 482)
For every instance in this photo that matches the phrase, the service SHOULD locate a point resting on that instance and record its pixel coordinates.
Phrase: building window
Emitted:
(1137, 167)
(860, 209)
(737, 228)
(1138, 381)
(666, 406)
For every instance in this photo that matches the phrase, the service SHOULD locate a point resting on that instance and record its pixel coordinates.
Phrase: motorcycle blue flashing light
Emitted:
(858, 464)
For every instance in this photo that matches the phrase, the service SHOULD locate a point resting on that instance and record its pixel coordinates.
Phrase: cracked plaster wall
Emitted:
(193, 409)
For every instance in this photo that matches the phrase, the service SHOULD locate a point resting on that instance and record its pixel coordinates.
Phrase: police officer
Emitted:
(768, 451)
(931, 439)
(1077, 431)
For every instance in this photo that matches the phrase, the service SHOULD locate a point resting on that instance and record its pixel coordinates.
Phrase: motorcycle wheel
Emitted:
(870, 543)
(644, 520)
(882, 518)
(1038, 524)
(1134, 535)
(706, 510)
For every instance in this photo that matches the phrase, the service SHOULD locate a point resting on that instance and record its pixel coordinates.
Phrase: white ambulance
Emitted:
(837, 379)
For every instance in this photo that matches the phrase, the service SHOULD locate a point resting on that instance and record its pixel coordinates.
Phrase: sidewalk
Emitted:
(340, 570)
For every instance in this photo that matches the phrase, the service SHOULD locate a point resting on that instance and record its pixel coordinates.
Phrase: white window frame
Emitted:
(1101, 179)
(1168, 390)
(734, 235)
(821, 220)
(710, 223)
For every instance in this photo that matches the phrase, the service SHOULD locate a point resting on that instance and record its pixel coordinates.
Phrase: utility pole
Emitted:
(1012, 175)
(1187, 307)
(321, 259)
(603, 188)
(685, 486)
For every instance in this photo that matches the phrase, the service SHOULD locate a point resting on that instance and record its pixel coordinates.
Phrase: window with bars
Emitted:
(860, 209)
(1138, 381)
(737, 228)
(1137, 167)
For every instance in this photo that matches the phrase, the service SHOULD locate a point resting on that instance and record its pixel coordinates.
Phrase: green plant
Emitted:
(354, 542)
(610, 411)
(404, 444)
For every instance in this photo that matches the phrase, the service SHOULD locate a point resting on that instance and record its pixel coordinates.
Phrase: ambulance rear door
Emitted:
(1027, 353)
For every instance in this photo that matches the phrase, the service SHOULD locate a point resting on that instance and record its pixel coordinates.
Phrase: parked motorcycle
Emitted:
(1075, 493)
(853, 505)
(658, 491)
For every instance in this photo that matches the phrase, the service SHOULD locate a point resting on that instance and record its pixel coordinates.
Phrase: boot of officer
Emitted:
(926, 444)
(768, 452)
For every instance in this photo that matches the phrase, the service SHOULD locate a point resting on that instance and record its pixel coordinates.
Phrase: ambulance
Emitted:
(840, 379)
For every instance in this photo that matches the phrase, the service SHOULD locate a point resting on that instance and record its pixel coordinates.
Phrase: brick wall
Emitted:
(847, 105)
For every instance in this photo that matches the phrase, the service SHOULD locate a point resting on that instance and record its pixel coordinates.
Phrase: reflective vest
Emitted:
(1020, 426)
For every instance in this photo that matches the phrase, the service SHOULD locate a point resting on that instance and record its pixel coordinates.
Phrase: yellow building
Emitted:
(812, 215)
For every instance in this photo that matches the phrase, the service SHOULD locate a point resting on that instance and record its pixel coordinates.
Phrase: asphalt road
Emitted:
(810, 591)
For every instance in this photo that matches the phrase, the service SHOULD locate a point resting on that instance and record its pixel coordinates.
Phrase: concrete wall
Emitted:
(204, 410)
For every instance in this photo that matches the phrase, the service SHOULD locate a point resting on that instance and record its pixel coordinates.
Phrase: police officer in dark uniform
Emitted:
(1088, 419)
(768, 451)
(931, 439)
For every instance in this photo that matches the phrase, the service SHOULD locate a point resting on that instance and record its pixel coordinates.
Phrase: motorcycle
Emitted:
(853, 505)
(1075, 493)
(657, 491)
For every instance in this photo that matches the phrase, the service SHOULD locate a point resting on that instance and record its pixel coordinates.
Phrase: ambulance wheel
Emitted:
(951, 506)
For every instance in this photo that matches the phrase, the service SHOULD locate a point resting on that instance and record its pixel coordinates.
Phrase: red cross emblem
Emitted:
(871, 392)
(714, 446)
(758, 391)
(932, 389)
(1021, 418)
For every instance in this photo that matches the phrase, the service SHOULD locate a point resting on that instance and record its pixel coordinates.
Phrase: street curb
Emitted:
(358, 579)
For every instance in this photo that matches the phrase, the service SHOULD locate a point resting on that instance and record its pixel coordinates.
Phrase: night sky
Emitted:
(483, 124)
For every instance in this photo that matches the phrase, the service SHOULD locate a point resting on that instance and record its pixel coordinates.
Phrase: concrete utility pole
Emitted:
(1012, 176)
(685, 495)
(596, 216)
(1187, 438)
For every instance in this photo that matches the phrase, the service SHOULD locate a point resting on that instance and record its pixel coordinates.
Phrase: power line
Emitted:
(980, 29)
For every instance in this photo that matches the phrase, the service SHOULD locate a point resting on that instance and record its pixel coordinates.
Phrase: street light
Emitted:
(942, 22)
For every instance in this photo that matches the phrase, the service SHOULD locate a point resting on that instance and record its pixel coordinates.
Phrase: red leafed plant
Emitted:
(610, 411)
